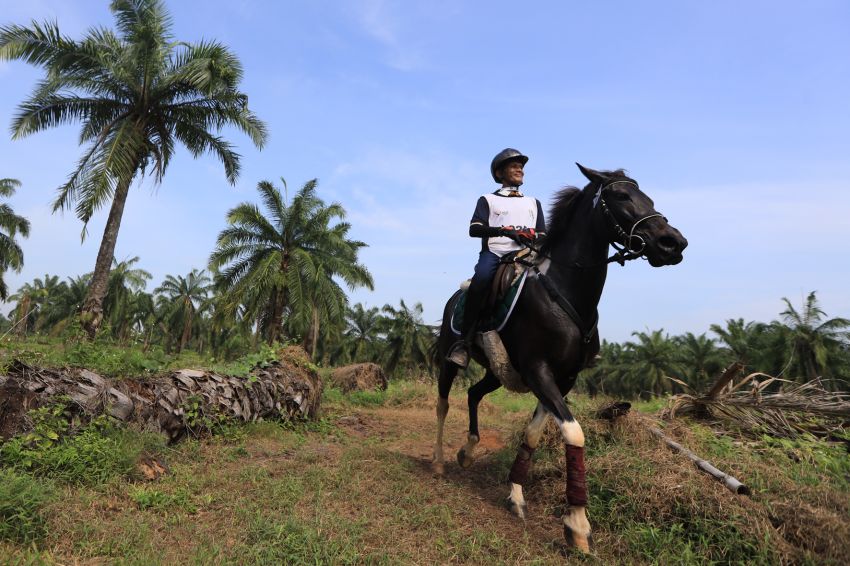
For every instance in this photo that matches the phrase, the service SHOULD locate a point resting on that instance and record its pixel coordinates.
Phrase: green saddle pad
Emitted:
(501, 312)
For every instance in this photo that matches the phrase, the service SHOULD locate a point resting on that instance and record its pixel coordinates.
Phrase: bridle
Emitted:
(625, 251)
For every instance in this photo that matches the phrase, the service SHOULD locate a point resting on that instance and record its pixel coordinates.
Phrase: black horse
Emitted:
(552, 332)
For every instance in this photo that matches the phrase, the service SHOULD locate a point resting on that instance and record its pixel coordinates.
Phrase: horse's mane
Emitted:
(564, 207)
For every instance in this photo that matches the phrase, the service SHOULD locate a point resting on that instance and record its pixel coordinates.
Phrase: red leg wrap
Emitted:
(522, 464)
(576, 486)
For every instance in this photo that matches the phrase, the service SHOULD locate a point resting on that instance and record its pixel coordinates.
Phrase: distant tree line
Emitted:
(802, 345)
(274, 276)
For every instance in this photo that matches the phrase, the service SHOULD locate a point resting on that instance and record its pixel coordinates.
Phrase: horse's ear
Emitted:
(591, 174)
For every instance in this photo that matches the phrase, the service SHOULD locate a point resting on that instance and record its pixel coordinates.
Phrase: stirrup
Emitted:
(459, 355)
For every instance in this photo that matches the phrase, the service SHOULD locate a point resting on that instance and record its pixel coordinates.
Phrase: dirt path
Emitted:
(473, 497)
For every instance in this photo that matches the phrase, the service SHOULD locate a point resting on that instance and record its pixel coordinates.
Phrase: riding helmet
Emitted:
(507, 154)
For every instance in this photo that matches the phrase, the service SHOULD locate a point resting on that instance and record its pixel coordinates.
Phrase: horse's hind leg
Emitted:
(522, 463)
(488, 384)
(448, 372)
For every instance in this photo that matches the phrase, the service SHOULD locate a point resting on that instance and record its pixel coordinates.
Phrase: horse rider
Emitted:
(506, 220)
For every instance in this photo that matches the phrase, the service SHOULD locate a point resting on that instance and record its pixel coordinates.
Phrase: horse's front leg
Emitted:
(488, 384)
(522, 463)
(550, 395)
(576, 525)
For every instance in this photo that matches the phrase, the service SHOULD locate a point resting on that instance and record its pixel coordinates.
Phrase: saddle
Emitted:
(511, 267)
(503, 293)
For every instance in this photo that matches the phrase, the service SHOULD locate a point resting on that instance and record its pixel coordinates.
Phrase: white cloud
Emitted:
(380, 21)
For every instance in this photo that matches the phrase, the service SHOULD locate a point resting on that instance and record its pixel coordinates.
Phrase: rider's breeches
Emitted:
(485, 270)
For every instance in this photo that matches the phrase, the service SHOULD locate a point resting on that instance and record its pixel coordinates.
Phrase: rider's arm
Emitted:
(477, 230)
(479, 226)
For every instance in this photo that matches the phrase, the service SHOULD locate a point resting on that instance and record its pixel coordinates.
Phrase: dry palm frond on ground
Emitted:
(767, 404)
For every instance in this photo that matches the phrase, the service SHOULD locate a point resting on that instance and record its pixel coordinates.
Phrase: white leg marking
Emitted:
(516, 501)
(535, 428)
(575, 519)
(572, 433)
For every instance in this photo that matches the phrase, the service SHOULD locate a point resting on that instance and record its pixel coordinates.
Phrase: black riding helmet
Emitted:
(507, 154)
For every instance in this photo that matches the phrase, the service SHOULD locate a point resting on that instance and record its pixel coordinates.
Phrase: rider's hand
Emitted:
(523, 236)
(526, 236)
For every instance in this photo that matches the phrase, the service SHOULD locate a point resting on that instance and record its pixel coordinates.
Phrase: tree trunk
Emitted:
(279, 302)
(312, 337)
(187, 330)
(91, 315)
(25, 309)
(178, 403)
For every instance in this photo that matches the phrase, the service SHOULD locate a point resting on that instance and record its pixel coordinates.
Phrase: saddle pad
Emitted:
(500, 314)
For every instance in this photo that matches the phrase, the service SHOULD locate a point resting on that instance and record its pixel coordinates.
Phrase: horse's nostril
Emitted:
(668, 243)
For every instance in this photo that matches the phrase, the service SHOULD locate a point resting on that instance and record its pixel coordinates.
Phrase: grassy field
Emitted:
(356, 487)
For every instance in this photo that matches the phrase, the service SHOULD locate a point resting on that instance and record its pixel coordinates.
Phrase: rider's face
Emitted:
(512, 174)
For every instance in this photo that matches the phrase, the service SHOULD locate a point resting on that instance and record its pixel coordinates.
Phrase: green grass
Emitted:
(22, 507)
(93, 455)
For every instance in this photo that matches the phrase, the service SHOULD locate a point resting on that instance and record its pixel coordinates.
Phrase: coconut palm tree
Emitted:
(11, 255)
(284, 260)
(137, 93)
(185, 295)
(813, 343)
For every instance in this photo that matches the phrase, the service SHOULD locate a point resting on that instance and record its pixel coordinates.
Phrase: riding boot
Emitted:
(459, 354)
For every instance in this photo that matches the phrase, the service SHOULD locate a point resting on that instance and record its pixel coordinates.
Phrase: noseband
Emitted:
(624, 248)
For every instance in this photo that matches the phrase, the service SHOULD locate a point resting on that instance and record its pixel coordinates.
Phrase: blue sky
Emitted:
(733, 116)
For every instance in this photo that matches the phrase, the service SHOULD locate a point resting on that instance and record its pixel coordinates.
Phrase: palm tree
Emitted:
(186, 295)
(284, 260)
(700, 358)
(360, 337)
(136, 93)
(326, 301)
(124, 281)
(653, 360)
(37, 301)
(408, 339)
(813, 343)
(11, 255)
(744, 339)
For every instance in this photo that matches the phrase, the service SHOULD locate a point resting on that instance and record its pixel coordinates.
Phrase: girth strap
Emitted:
(588, 331)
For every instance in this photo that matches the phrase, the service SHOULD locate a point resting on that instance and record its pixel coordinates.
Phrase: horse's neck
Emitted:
(579, 267)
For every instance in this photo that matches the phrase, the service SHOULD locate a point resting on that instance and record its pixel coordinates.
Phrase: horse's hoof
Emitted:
(518, 511)
(576, 540)
(464, 460)
(438, 468)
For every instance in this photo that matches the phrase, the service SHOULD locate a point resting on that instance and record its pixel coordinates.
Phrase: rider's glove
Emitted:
(523, 236)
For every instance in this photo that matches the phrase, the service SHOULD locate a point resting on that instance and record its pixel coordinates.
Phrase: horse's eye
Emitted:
(623, 196)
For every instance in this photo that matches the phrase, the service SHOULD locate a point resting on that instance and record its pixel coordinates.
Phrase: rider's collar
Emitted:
(509, 192)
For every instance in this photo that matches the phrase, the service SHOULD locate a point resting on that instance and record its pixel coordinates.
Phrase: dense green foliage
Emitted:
(804, 345)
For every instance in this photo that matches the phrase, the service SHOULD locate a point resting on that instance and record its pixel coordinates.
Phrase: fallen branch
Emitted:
(731, 483)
